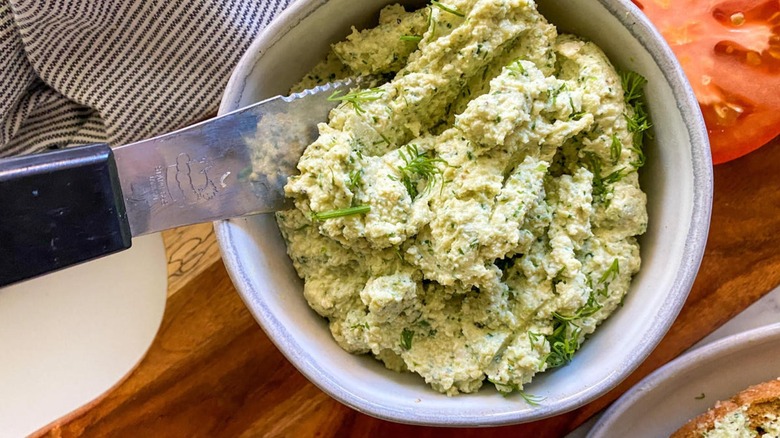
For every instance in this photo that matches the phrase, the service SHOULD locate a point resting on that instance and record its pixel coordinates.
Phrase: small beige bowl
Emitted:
(677, 179)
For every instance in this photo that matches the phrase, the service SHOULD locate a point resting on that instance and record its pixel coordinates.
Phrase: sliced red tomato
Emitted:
(730, 51)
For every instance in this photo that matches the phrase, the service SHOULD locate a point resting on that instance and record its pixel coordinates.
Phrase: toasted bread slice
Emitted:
(755, 410)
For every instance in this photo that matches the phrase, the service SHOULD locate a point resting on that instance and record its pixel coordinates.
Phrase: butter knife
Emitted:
(68, 206)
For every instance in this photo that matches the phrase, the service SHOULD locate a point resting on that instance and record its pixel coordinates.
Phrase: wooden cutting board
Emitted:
(213, 372)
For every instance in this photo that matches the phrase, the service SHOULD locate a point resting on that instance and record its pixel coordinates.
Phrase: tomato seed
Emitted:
(727, 112)
(737, 19)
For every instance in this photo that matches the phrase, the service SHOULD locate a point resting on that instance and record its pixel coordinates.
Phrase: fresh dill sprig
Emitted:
(516, 67)
(564, 339)
(418, 165)
(360, 209)
(357, 98)
(638, 123)
(449, 9)
(614, 177)
(564, 342)
(531, 399)
(406, 339)
(615, 149)
(589, 308)
(633, 85)
(431, 25)
(640, 157)
(534, 337)
(601, 184)
(606, 278)
(611, 272)
(355, 179)
(575, 115)
(384, 138)
(554, 92)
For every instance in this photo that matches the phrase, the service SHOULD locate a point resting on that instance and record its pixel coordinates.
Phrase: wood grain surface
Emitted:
(213, 372)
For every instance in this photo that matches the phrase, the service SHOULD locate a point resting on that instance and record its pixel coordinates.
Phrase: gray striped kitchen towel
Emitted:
(85, 71)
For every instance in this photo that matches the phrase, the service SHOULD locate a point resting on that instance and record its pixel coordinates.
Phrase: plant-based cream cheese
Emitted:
(738, 424)
(474, 218)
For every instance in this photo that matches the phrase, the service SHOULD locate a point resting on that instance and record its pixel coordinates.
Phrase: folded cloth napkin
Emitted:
(86, 71)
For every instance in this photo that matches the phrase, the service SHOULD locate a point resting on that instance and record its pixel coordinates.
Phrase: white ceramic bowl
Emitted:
(677, 179)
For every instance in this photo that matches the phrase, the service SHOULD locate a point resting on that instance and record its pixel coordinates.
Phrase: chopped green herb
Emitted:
(384, 139)
(700, 396)
(431, 24)
(531, 399)
(611, 272)
(638, 123)
(640, 160)
(418, 165)
(622, 300)
(356, 98)
(615, 149)
(601, 184)
(360, 209)
(614, 176)
(633, 84)
(589, 308)
(355, 179)
(554, 92)
(516, 67)
(449, 9)
(575, 115)
(415, 38)
(564, 342)
(406, 339)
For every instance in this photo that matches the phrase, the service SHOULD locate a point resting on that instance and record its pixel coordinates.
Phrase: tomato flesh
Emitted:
(730, 51)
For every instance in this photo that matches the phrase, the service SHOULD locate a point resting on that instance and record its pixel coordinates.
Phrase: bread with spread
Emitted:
(754, 412)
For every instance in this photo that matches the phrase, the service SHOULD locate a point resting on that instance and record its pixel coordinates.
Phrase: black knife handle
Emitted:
(58, 209)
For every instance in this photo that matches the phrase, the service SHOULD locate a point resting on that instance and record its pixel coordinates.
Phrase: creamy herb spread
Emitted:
(474, 218)
(738, 424)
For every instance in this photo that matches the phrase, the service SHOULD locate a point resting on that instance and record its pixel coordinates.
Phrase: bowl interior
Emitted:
(677, 179)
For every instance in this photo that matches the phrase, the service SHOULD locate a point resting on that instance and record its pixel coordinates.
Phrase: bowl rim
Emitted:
(701, 164)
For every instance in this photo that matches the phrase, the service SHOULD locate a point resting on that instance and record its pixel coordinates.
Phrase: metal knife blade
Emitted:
(230, 166)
